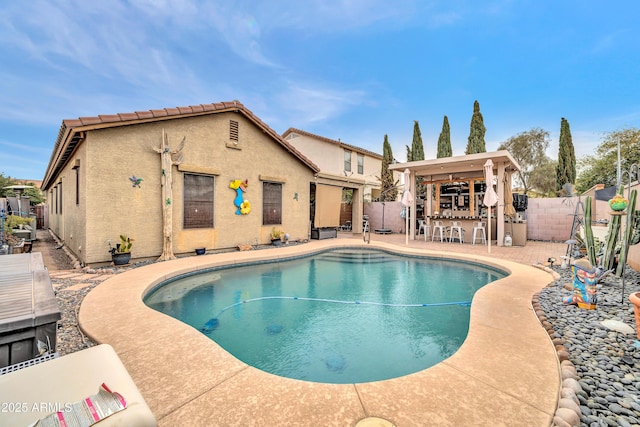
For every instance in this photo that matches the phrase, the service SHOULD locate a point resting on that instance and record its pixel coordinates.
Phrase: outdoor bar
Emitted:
(455, 191)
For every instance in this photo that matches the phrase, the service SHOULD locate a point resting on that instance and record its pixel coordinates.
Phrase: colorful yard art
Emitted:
(584, 287)
(243, 206)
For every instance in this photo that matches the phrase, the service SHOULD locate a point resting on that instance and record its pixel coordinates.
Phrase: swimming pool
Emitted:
(340, 316)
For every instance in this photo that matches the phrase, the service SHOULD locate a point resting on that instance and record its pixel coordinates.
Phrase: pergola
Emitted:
(467, 168)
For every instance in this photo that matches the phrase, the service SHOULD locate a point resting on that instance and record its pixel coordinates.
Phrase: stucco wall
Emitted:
(113, 206)
(329, 157)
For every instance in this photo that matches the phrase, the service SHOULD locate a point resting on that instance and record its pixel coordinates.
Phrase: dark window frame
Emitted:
(77, 170)
(271, 203)
(360, 164)
(198, 201)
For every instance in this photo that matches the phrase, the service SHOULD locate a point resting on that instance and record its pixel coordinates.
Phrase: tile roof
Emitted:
(331, 141)
(71, 130)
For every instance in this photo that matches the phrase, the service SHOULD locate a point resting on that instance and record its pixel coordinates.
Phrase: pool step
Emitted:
(352, 256)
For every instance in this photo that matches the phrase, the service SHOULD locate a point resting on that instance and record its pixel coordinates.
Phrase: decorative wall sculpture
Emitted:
(243, 206)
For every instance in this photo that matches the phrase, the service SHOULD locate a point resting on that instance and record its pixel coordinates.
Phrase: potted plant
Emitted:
(121, 254)
(276, 236)
(17, 222)
(618, 203)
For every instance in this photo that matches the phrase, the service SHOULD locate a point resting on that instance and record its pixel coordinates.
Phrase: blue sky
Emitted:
(353, 70)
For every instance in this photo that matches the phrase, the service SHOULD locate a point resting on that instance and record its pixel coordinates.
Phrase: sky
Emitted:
(353, 70)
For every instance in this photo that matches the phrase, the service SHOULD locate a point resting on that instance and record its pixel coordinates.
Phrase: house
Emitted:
(216, 173)
(345, 166)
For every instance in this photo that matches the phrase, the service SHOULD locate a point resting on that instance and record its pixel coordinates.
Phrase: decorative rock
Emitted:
(572, 384)
(563, 355)
(569, 373)
(599, 357)
(244, 247)
(568, 393)
(559, 422)
(569, 416)
(569, 404)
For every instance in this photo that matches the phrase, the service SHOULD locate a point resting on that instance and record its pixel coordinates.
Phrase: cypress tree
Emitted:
(417, 153)
(417, 149)
(566, 169)
(444, 140)
(476, 132)
(386, 176)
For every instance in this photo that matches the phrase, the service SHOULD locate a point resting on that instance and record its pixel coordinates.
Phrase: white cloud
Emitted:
(305, 104)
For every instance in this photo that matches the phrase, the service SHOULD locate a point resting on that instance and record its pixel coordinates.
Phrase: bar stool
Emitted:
(440, 228)
(456, 227)
(479, 226)
(424, 227)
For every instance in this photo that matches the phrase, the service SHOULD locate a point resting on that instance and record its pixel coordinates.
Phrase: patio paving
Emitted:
(505, 373)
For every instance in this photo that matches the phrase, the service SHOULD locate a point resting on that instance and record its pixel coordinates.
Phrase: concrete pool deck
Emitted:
(506, 372)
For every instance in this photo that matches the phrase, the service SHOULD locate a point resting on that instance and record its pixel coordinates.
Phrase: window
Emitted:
(271, 203)
(60, 196)
(233, 130)
(360, 164)
(347, 161)
(76, 168)
(198, 201)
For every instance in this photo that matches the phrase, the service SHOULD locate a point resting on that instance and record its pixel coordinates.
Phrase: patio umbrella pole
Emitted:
(490, 196)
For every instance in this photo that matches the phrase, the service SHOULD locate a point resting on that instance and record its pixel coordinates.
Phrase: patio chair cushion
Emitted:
(42, 389)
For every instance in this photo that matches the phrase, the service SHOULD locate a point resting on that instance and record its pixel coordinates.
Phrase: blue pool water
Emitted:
(342, 316)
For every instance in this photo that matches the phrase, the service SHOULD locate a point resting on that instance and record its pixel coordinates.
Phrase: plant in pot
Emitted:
(17, 222)
(121, 254)
(276, 236)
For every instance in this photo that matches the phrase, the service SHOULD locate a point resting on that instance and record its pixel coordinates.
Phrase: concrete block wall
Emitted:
(550, 219)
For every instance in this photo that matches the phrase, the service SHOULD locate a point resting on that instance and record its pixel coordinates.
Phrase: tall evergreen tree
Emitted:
(417, 149)
(444, 140)
(417, 153)
(386, 176)
(408, 153)
(566, 169)
(476, 132)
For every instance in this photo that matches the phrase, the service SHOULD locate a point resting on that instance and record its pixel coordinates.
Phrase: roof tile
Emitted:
(144, 114)
(108, 118)
(128, 116)
(159, 113)
(89, 120)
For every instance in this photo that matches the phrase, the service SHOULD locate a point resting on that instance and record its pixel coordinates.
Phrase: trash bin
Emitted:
(584, 286)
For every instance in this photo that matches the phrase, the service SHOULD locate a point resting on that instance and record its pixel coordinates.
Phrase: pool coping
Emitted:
(505, 373)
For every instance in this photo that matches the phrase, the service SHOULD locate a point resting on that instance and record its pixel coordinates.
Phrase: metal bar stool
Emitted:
(424, 227)
(439, 228)
(456, 228)
(479, 226)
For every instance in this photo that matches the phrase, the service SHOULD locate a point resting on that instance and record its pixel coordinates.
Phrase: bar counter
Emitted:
(517, 230)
